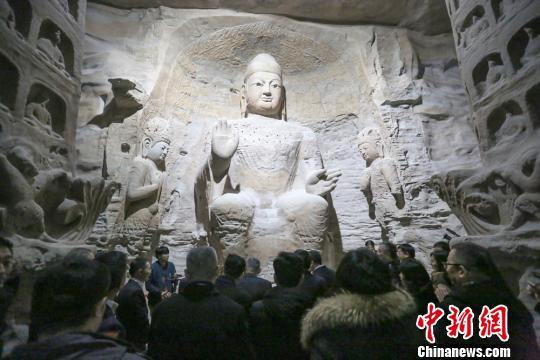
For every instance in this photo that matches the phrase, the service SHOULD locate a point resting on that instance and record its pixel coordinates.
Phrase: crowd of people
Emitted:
(102, 306)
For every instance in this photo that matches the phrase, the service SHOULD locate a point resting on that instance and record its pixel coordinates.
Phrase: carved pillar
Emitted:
(497, 45)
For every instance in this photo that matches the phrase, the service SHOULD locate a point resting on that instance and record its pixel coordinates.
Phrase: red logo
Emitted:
(491, 322)
(429, 320)
(494, 322)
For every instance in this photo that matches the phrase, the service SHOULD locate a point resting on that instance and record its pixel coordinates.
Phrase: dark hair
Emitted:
(137, 264)
(369, 242)
(234, 266)
(443, 245)
(478, 260)
(253, 263)
(162, 250)
(65, 294)
(304, 255)
(362, 272)
(315, 256)
(80, 252)
(407, 249)
(440, 257)
(390, 249)
(6, 243)
(288, 269)
(116, 262)
(415, 276)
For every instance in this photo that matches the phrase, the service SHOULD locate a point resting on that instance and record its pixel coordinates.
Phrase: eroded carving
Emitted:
(45, 111)
(7, 16)
(50, 48)
(263, 187)
(380, 181)
(10, 83)
(473, 25)
(506, 124)
(137, 228)
(488, 73)
(45, 208)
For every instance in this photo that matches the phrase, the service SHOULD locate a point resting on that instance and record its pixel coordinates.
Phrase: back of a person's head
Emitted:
(288, 269)
(442, 245)
(362, 272)
(161, 250)
(137, 264)
(201, 263)
(80, 252)
(389, 249)
(407, 249)
(478, 261)
(234, 266)
(415, 275)
(304, 255)
(65, 294)
(440, 257)
(315, 257)
(253, 265)
(369, 243)
(116, 262)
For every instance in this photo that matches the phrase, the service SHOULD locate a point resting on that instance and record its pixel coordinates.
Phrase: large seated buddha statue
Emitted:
(263, 188)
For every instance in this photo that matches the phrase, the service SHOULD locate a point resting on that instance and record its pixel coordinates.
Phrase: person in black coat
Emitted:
(68, 301)
(312, 284)
(234, 267)
(275, 320)
(321, 270)
(416, 281)
(199, 323)
(132, 309)
(255, 286)
(116, 262)
(369, 319)
(477, 283)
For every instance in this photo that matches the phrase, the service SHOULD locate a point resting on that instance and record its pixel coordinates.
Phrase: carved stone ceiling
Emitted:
(428, 16)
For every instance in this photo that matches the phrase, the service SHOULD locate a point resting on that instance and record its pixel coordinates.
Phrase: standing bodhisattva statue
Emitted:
(263, 187)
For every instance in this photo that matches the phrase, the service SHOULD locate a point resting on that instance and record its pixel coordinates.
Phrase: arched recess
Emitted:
(477, 12)
(533, 105)
(23, 16)
(9, 75)
(49, 31)
(506, 120)
(55, 105)
(480, 71)
(524, 46)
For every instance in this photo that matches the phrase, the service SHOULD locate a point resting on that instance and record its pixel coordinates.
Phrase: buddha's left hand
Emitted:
(322, 181)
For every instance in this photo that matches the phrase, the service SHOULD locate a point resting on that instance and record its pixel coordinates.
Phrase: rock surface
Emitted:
(346, 78)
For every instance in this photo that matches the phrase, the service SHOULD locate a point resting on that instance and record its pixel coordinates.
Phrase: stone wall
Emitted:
(187, 66)
(498, 201)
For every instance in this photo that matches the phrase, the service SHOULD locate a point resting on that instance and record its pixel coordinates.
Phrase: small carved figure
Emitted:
(39, 112)
(51, 50)
(380, 182)
(139, 227)
(506, 7)
(513, 126)
(478, 25)
(495, 72)
(532, 51)
(6, 15)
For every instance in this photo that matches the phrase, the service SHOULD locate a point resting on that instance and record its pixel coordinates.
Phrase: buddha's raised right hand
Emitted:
(224, 140)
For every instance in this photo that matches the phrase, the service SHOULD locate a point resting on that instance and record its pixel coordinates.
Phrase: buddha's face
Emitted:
(264, 94)
(158, 152)
(369, 151)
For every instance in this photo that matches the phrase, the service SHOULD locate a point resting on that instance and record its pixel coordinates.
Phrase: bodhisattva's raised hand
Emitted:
(321, 182)
(224, 141)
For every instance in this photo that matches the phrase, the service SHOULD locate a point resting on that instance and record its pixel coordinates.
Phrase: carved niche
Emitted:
(45, 110)
(55, 47)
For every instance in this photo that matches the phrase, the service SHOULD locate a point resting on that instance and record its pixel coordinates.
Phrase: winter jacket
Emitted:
(354, 326)
(76, 345)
